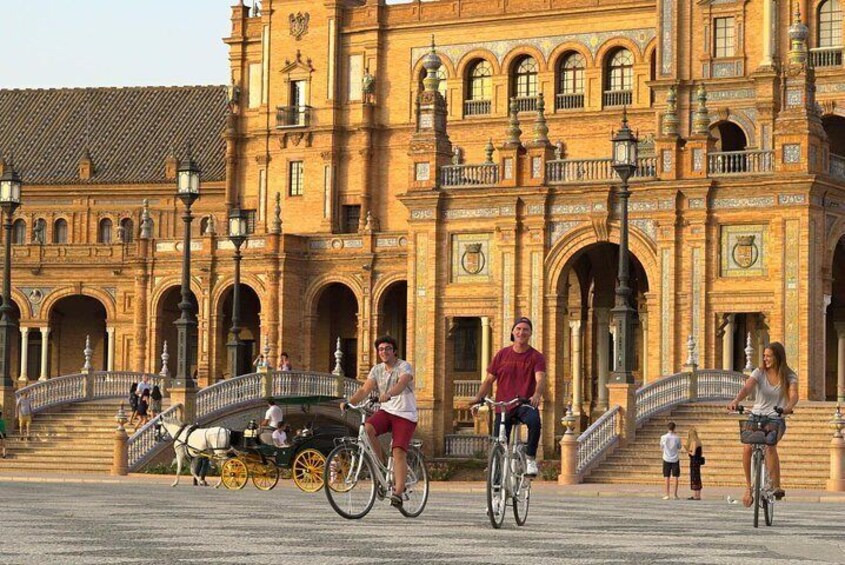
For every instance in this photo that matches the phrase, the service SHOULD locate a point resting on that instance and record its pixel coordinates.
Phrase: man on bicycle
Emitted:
(519, 371)
(393, 379)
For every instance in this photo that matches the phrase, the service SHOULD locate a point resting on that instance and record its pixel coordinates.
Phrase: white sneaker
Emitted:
(666, 497)
(530, 468)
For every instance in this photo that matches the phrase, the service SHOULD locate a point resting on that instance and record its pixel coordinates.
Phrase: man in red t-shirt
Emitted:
(519, 371)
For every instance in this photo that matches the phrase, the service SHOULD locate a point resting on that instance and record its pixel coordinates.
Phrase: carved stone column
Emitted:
(728, 343)
(840, 362)
(45, 348)
(110, 350)
(577, 394)
(23, 377)
(602, 355)
(486, 332)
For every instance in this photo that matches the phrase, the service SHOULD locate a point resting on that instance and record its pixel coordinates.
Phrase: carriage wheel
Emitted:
(234, 474)
(265, 477)
(307, 470)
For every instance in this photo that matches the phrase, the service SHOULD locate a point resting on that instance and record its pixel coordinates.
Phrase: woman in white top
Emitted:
(777, 386)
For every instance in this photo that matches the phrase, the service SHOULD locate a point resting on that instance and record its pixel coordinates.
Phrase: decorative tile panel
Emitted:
(733, 94)
(792, 199)
(535, 210)
(665, 300)
(536, 167)
(792, 153)
(667, 160)
(508, 166)
(507, 296)
(757, 202)
(648, 227)
(639, 206)
(667, 41)
(422, 171)
(471, 258)
(744, 250)
(667, 204)
(489, 212)
(426, 214)
(794, 97)
(697, 203)
(558, 229)
(792, 302)
(421, 311)
(536, 297)
(568, 209)
(697, 160)
(696, 293)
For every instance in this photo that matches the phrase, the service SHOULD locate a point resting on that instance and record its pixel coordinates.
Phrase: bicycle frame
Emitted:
(510, 447)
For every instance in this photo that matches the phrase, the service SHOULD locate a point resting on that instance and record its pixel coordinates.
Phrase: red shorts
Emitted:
(402, 428)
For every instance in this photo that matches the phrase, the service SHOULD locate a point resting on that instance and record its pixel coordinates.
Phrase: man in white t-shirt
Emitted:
(670, 442)
(274, 415)
(393, 379)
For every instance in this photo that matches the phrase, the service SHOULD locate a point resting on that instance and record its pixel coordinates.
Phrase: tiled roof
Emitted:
(128, 132)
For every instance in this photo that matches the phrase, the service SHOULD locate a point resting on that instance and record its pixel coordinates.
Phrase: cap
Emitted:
(522, 320)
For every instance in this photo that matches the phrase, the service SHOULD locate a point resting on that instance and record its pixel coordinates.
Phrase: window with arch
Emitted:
(479, 91)
(128, 230)
(619, 78)
(104, 231)
(19, 232)
(570, 81)
(525, 77)
(830, 24)
(441, 74)
(60, 231)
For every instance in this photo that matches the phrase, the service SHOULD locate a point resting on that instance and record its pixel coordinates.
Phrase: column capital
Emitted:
(840, 329)
(575, 324)
(110, 329)
(44, 330)
(24, 331)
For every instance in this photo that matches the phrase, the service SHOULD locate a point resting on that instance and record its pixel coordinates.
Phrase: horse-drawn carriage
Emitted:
(255, 456)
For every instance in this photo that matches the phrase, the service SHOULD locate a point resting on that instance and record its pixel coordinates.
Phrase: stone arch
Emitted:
(384, 283)
(740, 121)
(393, 322)
(224, 283)
(23, 304)
(251, 309)
(568, 47)
(334, 310)
(166, 284)
(520, 51)
(73, 319)
(315, 290)
(104, 297)
(615, 43)
(474, 55)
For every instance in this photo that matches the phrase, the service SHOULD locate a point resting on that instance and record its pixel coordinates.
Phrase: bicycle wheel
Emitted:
(768, 499)
(757, 469)
(496, 492)
(522, 494)
(350, 481)
(416, 485)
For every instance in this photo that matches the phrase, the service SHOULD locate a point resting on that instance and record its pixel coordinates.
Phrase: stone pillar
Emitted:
(840, 362)
(568, 460)
(120, 459)
(728, 343)
(836, 482)
(24, 378)
(486, 333)
(624, 396)
(187, 398)
(577, 394)
(644, 356)
(110, 350)
(45, 348)
(602, 344)
(768, 21)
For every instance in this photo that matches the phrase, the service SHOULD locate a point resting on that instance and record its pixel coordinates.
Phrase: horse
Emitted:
(190, 442)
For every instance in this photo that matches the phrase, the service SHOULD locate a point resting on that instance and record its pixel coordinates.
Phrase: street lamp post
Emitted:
(188, 190)
(625, 165)
(10, 199)
(237, 234)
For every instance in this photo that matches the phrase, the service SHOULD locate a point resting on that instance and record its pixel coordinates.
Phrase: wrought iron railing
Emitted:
(618, 98)
(837, 166)
(740, 162)
(79, 387)
(826, 56)
(596, 440)
(561, 171)
(467, 389)
(143, 443)
(569, 101)
(485, 174)
(293, 116)
(478, 107)
(461, 445)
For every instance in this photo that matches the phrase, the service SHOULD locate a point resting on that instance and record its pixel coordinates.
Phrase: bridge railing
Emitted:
(79, 387)
(227, 395)
(661, 395)
(142, 445)
(597, 440)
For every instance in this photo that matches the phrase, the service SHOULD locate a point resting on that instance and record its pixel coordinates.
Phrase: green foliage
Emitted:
(165, 469)
(549, 470)
(440, 470)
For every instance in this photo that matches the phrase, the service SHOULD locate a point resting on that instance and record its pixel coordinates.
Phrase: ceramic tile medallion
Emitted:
(744, 251)
(471, 258)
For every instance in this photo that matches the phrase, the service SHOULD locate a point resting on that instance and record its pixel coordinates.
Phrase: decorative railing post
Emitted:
(624, 396)
(836, 482)
(568, 452)
(691, 367)
(749, 352)
(338, 368)
(165, 370)
(86, 368)
(120, 461)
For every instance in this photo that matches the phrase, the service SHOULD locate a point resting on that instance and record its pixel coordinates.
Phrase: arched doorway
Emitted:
(729, 137)
(393, 314)
(167, 313)
(586, 296)
(834, 126)
(250, 324)
(336, 316)
(15, 343)
(72, 319)
(835, 322)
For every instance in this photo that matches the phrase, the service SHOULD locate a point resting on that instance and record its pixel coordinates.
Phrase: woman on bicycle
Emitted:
(777, 387)
(393, 379)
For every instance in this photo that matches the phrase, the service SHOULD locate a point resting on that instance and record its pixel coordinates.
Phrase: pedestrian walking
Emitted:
(3, 433)
(696, 460)
(155, 401)
(133, 402)
(143, 407)
(671, 445)
(23, 412)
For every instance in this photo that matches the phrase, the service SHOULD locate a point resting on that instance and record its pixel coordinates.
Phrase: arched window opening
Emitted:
(60, 231)
(619, 79)
(525, 86)
(570, 89)
(104, 231)
(828, 51)
(479, 92)
(127, 232)
(19, 232)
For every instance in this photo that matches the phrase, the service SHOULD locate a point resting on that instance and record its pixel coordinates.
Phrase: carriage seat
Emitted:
(265, 437)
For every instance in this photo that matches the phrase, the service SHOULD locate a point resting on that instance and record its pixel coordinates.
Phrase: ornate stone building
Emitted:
(443, 167)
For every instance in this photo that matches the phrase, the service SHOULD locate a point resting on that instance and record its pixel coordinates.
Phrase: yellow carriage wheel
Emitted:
(265, 477)
(307, 470)
(234, 474)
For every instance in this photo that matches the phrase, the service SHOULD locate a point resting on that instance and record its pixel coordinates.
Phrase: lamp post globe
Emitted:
(10, 199)
(624, 162)
(188, 190)
(238, 233)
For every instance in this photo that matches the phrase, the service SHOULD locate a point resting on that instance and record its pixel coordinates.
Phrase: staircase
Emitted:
(71, 438)
(804, 450)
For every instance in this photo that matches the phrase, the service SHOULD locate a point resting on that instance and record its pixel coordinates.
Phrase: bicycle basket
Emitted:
(765, 431)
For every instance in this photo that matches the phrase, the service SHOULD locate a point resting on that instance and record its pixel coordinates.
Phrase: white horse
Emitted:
(190, 442)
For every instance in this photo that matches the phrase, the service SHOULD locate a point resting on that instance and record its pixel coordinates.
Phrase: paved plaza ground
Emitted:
(144, 520)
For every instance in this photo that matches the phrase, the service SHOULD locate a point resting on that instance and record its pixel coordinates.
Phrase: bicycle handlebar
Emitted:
(501, 404)
(361, 406)
(741, 410)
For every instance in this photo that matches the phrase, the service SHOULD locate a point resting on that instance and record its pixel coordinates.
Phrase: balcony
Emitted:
(564, 171)
(837, 166)
(613, 98)
(526, 103)
(826, 57)
(569, 101)
(727, 163)
(293, 116)
(485, 174)
(477, 107)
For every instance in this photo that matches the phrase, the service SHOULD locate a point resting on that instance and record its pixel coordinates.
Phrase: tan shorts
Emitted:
(24, 420)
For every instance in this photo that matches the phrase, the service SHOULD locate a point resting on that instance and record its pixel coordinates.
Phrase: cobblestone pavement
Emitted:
(147, 521)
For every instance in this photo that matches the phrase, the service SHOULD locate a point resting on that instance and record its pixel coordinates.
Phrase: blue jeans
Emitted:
(527, 415)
